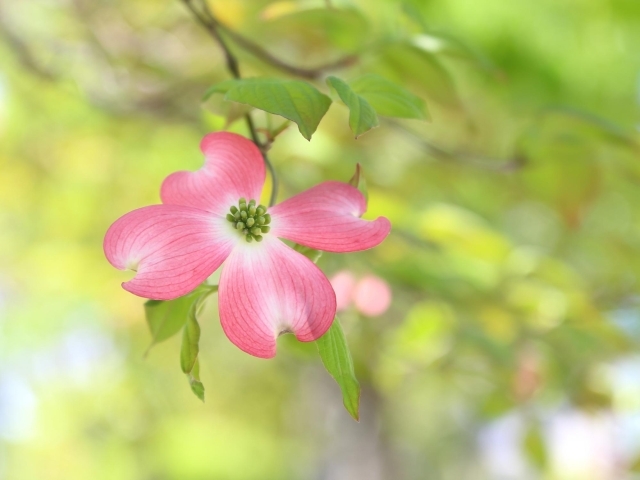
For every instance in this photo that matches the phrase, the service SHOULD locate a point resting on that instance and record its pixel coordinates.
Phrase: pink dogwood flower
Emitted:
(210, 216)
(371, 295)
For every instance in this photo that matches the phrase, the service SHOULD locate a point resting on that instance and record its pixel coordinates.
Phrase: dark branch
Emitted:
(308, 73)
(24, 54)
(483, 162)
(213, 25)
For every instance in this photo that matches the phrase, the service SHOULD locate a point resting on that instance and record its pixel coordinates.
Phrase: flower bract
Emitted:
(213, 216)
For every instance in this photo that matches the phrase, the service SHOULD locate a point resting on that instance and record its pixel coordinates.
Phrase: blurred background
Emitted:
(509, 349)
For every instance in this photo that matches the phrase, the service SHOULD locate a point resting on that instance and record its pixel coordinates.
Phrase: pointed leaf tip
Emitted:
(336, 357)
(166, 318)
(294, 100)
(390, 99)
(362, 116)
(359, 182)
(196, 385)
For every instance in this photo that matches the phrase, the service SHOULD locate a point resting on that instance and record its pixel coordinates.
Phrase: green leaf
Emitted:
(362, 116)
(222, 87)
(320, 33)
(311, 253)
(190, 341)
(335, 355)
(444, 43)
(166, 318)
(388, 98)
(534, 446)
(422, 71)
(194, 381)
(359, 182)
(191, 349)
(217, 105)
(294, 100)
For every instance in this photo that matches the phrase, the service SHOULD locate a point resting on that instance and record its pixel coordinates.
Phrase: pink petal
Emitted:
(343, 284)
(234, 168)
(326, 217)
(172, 248)
(372, 296)
(268, 288)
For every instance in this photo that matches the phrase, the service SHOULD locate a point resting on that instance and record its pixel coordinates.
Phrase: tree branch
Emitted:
(24, 54)
(308, 73)
(211, 24)
(485, 163)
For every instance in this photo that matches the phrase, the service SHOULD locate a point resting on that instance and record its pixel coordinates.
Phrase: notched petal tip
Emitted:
(214, 140)
(233, 168)
(287, 293)
(174, 249)
(327, 217)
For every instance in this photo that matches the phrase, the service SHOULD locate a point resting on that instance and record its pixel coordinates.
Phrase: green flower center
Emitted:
(251, 221)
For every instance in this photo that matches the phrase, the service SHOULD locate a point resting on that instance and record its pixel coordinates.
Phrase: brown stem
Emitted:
(259, 52)
(23, 53)
(486, 163)
(308, 73)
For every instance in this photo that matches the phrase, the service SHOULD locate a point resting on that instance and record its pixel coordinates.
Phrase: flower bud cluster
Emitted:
(250, 220)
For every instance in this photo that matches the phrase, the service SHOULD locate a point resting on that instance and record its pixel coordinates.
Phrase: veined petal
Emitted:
(267, 289)
(172, 248)
(233, 168)
(327, 217)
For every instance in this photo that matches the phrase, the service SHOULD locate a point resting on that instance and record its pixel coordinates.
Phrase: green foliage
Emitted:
(534, 446)
(362, 116)
(294, 100)
(194, 380)
(311, 253)
(388, 98)
(190, 342)
(371, 95)
(190, 349)
(444, 43)
(360, 182)
(409, 65)
(336, 357)
(166, 318)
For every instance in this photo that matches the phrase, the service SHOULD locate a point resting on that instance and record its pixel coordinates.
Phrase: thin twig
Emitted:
(486, 163)
(23, 53)
(259, 52)
(308, 73)
(211, 24)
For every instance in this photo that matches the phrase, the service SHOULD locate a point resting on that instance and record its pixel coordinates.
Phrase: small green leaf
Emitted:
(294, 100)
(434, 41)
(390, 99)
(362, 116)
(420, 70)
(194, 381)
(335, 355)
(190, 341)
(534, 446)
(190, 350)
(311, 253)
(166, 318)
(222, 87)
(360, 183)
